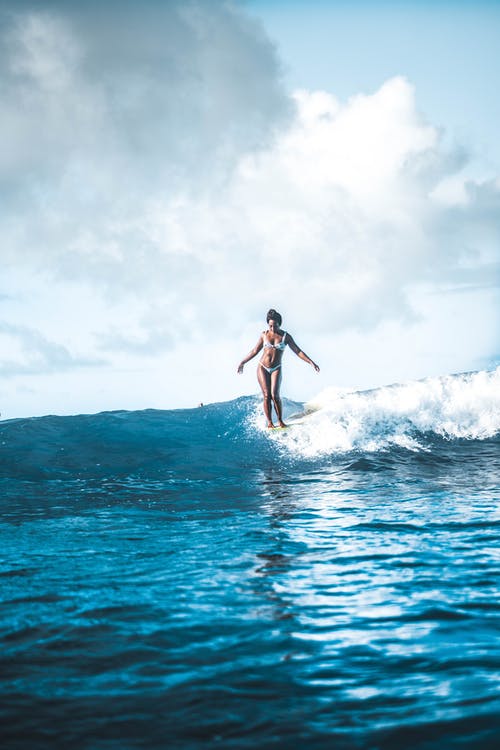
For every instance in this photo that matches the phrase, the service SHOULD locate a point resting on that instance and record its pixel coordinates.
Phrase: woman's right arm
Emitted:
(251, 355)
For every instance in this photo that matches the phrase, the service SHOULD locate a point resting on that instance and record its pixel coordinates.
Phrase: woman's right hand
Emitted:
(240, 368)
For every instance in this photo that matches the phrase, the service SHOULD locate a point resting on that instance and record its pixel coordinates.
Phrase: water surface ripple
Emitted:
(219, 590)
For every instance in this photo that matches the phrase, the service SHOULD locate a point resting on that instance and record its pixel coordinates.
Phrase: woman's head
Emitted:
(273, 315)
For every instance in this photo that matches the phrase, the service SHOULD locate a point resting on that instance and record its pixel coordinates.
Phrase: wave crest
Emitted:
(463, 406)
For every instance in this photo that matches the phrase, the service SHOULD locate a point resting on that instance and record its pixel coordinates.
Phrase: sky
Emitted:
(170, 170)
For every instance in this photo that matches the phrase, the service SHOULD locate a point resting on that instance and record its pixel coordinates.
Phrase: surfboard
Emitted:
(275, 430)
(300, 416)
(296, 419)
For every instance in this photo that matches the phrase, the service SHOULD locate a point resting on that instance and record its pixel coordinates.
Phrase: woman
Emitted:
(273, 342)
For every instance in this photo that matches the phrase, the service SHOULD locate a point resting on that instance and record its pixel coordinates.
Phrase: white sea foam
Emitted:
(450, 406)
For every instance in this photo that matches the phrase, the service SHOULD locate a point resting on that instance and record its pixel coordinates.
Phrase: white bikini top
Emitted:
(280, 347)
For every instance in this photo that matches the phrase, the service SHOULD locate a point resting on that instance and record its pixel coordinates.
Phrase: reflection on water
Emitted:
(377, 589)
(347, 603)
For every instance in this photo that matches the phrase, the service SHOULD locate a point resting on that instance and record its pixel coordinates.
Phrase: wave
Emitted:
(224, 439)
(408, 415)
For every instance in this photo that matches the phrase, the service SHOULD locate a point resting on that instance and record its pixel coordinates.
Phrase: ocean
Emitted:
(188, 579)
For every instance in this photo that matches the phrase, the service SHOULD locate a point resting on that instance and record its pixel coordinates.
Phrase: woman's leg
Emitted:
(275, 395)
(264, 379)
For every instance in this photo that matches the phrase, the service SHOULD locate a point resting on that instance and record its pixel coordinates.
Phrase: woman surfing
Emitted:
(272, 343)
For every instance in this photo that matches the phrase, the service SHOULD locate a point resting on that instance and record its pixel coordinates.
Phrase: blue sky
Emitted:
(169, 177)
(447, 49)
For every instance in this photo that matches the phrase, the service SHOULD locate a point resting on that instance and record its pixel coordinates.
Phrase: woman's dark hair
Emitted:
(273, 315)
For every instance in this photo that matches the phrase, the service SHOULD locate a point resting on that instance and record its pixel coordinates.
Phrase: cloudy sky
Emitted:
(171, 169)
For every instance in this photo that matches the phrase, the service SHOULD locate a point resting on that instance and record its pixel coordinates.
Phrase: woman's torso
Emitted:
(273, 347)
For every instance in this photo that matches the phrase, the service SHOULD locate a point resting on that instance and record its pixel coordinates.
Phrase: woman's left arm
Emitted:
(298, 351)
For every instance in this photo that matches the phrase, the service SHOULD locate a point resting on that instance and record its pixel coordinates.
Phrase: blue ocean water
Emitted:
(187, 579)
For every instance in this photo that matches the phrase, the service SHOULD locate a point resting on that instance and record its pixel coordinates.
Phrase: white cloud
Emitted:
(26, 351)
(341, 212)
(108, 106)
(162, 191)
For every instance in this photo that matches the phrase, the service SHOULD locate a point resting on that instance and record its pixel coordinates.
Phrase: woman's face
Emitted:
(273, 324)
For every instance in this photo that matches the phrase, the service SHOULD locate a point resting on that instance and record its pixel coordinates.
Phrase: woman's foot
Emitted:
(282, 424)
(270, 426)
